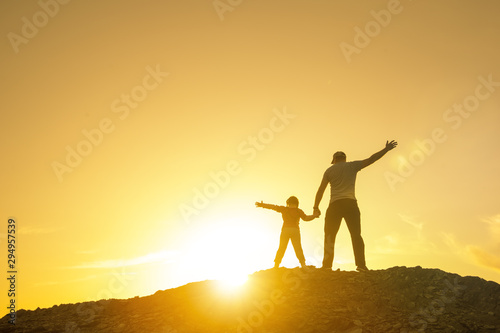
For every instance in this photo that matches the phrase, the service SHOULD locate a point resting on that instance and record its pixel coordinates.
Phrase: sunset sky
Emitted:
(137, 136)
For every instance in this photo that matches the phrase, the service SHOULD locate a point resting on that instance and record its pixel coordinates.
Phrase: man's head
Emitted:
(292, 202)
(339, 157)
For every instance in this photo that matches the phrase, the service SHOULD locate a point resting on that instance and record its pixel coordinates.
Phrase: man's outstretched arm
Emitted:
(375, 157)
(319, 196)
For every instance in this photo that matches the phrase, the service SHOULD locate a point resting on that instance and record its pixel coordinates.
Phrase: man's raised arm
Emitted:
(375, 157)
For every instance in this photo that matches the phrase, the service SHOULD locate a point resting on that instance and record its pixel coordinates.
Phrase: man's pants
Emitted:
(293, 234)
(347, 209)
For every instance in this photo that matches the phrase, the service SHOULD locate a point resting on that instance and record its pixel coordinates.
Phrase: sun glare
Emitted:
(228, 253)
(233, 281)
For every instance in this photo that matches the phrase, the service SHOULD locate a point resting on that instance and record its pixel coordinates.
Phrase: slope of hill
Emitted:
(397, 299)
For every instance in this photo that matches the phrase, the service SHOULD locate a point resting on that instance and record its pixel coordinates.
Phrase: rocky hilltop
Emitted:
(397, 299)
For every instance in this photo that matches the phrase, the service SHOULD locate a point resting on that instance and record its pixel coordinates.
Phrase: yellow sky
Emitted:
(138, 135)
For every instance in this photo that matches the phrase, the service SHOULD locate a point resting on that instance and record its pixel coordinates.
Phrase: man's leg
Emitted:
(284, 237)
(353, 221)
(333, 218)
(297, 246)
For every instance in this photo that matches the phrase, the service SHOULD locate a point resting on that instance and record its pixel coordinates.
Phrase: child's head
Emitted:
(292, 202)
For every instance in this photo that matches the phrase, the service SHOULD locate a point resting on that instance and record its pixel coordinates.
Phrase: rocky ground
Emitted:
(397, 299)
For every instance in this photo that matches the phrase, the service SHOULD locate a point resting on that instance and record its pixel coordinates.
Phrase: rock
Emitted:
(397, 299)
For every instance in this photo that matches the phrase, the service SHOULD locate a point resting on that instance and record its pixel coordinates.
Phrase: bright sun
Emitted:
(228, 252)
(233, 280)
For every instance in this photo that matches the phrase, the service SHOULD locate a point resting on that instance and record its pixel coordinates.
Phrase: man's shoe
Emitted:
(362, 269)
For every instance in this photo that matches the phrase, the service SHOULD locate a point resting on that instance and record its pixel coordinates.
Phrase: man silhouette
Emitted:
(343, 204)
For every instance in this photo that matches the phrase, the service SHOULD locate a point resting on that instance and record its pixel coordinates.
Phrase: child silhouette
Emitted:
(291, 216)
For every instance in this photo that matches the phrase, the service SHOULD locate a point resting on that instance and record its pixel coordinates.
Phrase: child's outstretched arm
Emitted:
(268, 206)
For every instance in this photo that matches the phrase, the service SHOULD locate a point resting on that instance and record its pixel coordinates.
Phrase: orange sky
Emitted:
(138, 135)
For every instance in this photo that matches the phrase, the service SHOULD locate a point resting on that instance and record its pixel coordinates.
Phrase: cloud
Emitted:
(54, 283)
(407, 243)
(485, 258)
(36, 231)
(161, 256)
(32, 231)
(483, 254)
(410, 221)
(87, 252)
(494, 225)
(388, 244)
(450, 240)
(493, 219)
(486, 254)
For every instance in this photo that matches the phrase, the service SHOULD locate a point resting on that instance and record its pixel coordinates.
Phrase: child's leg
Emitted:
(297, 246)
(284, 237)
